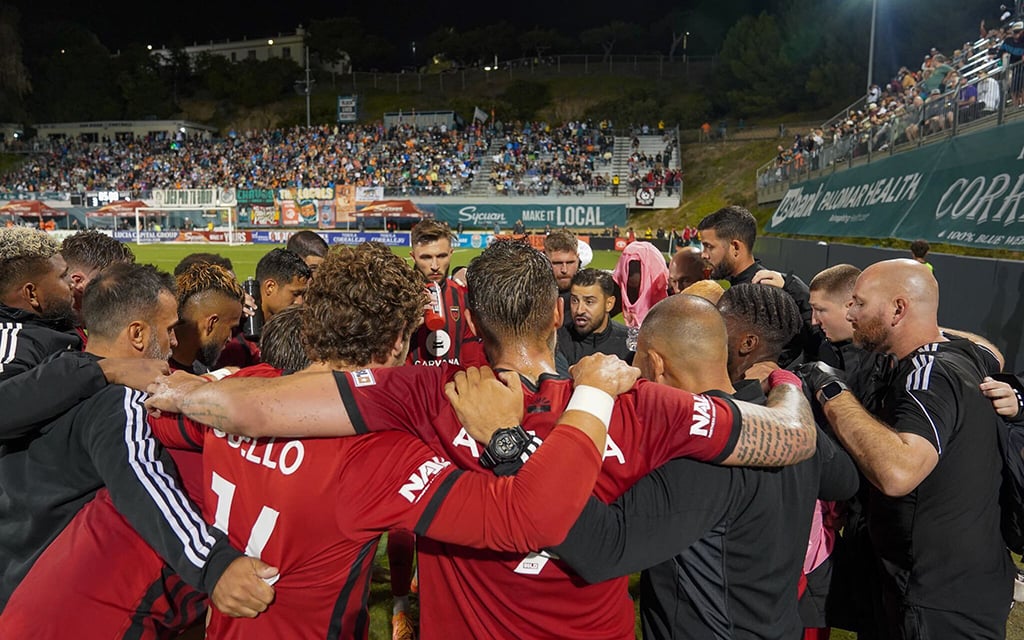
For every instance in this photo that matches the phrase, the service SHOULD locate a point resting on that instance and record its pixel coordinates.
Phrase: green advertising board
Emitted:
(967, 190)
(574, 216)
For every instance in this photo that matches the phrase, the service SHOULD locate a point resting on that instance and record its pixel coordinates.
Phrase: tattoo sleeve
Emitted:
(779, 434)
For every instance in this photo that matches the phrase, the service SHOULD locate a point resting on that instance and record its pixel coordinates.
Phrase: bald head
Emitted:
(685, 268)
(895, 307)
(682, 343)
(906, 278)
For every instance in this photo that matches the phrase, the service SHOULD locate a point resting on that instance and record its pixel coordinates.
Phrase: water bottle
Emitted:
(252, 326)
(433, 316)
(632, 333)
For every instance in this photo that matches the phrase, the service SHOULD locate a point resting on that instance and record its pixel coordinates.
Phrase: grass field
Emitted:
(244, 259)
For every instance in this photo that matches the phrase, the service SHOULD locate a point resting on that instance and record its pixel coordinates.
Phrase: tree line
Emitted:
(772, 58)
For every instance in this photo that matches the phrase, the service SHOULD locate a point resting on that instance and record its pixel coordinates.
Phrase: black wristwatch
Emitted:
(506, 445)
(831, 390)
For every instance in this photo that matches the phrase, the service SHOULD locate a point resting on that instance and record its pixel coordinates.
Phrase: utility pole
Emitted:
(308, 87)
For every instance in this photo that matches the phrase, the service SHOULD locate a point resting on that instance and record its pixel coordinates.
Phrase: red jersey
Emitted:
(316, 508)
(101, 570)
(476, 594)
(238, 352)
(455, 343)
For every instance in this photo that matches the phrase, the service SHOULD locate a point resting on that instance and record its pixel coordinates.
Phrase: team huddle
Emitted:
(776, 458)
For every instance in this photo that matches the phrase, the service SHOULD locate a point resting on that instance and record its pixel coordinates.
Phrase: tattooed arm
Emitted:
(303, 404)
(778, 434)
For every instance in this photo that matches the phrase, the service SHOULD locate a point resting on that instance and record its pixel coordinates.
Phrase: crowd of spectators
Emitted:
(426, 161)
(946, 90)
(654, 171)
(535, 159)
(538, 159)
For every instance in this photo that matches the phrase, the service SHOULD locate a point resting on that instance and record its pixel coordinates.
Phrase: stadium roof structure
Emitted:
(30, 209)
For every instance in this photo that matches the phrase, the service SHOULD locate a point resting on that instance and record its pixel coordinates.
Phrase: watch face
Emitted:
(831, 390)
(505, 445)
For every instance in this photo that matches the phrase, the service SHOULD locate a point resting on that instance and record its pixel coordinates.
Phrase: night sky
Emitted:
(121, 22)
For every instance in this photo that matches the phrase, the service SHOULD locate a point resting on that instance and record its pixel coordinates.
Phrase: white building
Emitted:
(290, 46)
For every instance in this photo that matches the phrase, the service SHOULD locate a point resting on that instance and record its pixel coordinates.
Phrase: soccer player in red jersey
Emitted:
(514, 305)
(432, 256)
(316, 507)
(446, 338)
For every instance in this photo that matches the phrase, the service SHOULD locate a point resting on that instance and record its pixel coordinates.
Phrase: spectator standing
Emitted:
(919, 250)
(988, 93)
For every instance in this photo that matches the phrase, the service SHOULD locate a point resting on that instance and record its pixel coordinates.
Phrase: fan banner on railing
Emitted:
(968, 190)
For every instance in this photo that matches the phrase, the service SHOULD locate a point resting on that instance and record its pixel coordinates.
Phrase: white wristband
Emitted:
(593, 401)
(219, 374)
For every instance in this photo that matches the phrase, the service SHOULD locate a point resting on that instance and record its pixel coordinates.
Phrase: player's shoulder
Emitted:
(940, 365)
(114, 399)
(455, 285)
(262, 370)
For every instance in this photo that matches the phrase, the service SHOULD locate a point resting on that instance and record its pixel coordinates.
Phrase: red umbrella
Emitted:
(391, 209)
(119, 208)
(30, 209)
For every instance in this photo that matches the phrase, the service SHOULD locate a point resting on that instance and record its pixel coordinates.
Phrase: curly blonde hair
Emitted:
(24, 253)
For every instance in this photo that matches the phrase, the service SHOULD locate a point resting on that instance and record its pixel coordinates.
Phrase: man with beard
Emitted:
(36, 301)
(699, 531)
(562, 250)
(592, 329)
(209, 310)
(39, 294)
(331, 498)
(929, 448)
(104, 442)
(451, 339)
(727, 237)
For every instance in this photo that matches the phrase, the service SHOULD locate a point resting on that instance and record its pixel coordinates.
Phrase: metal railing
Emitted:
(655, 67)
(939, 118)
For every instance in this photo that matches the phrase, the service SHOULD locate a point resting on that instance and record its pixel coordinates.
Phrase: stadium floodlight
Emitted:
(871, 45)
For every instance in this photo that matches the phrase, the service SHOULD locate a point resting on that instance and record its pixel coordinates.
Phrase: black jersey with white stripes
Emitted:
(940, 544)
(104, 441)
(26, 339)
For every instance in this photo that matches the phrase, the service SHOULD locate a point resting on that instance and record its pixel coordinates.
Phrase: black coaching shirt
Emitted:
(940, 545)
(725, 545)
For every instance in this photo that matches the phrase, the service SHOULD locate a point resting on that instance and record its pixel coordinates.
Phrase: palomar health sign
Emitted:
(968, 190)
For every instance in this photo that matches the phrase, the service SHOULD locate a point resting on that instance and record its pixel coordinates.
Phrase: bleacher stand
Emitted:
(531, 159)
(945, 93)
